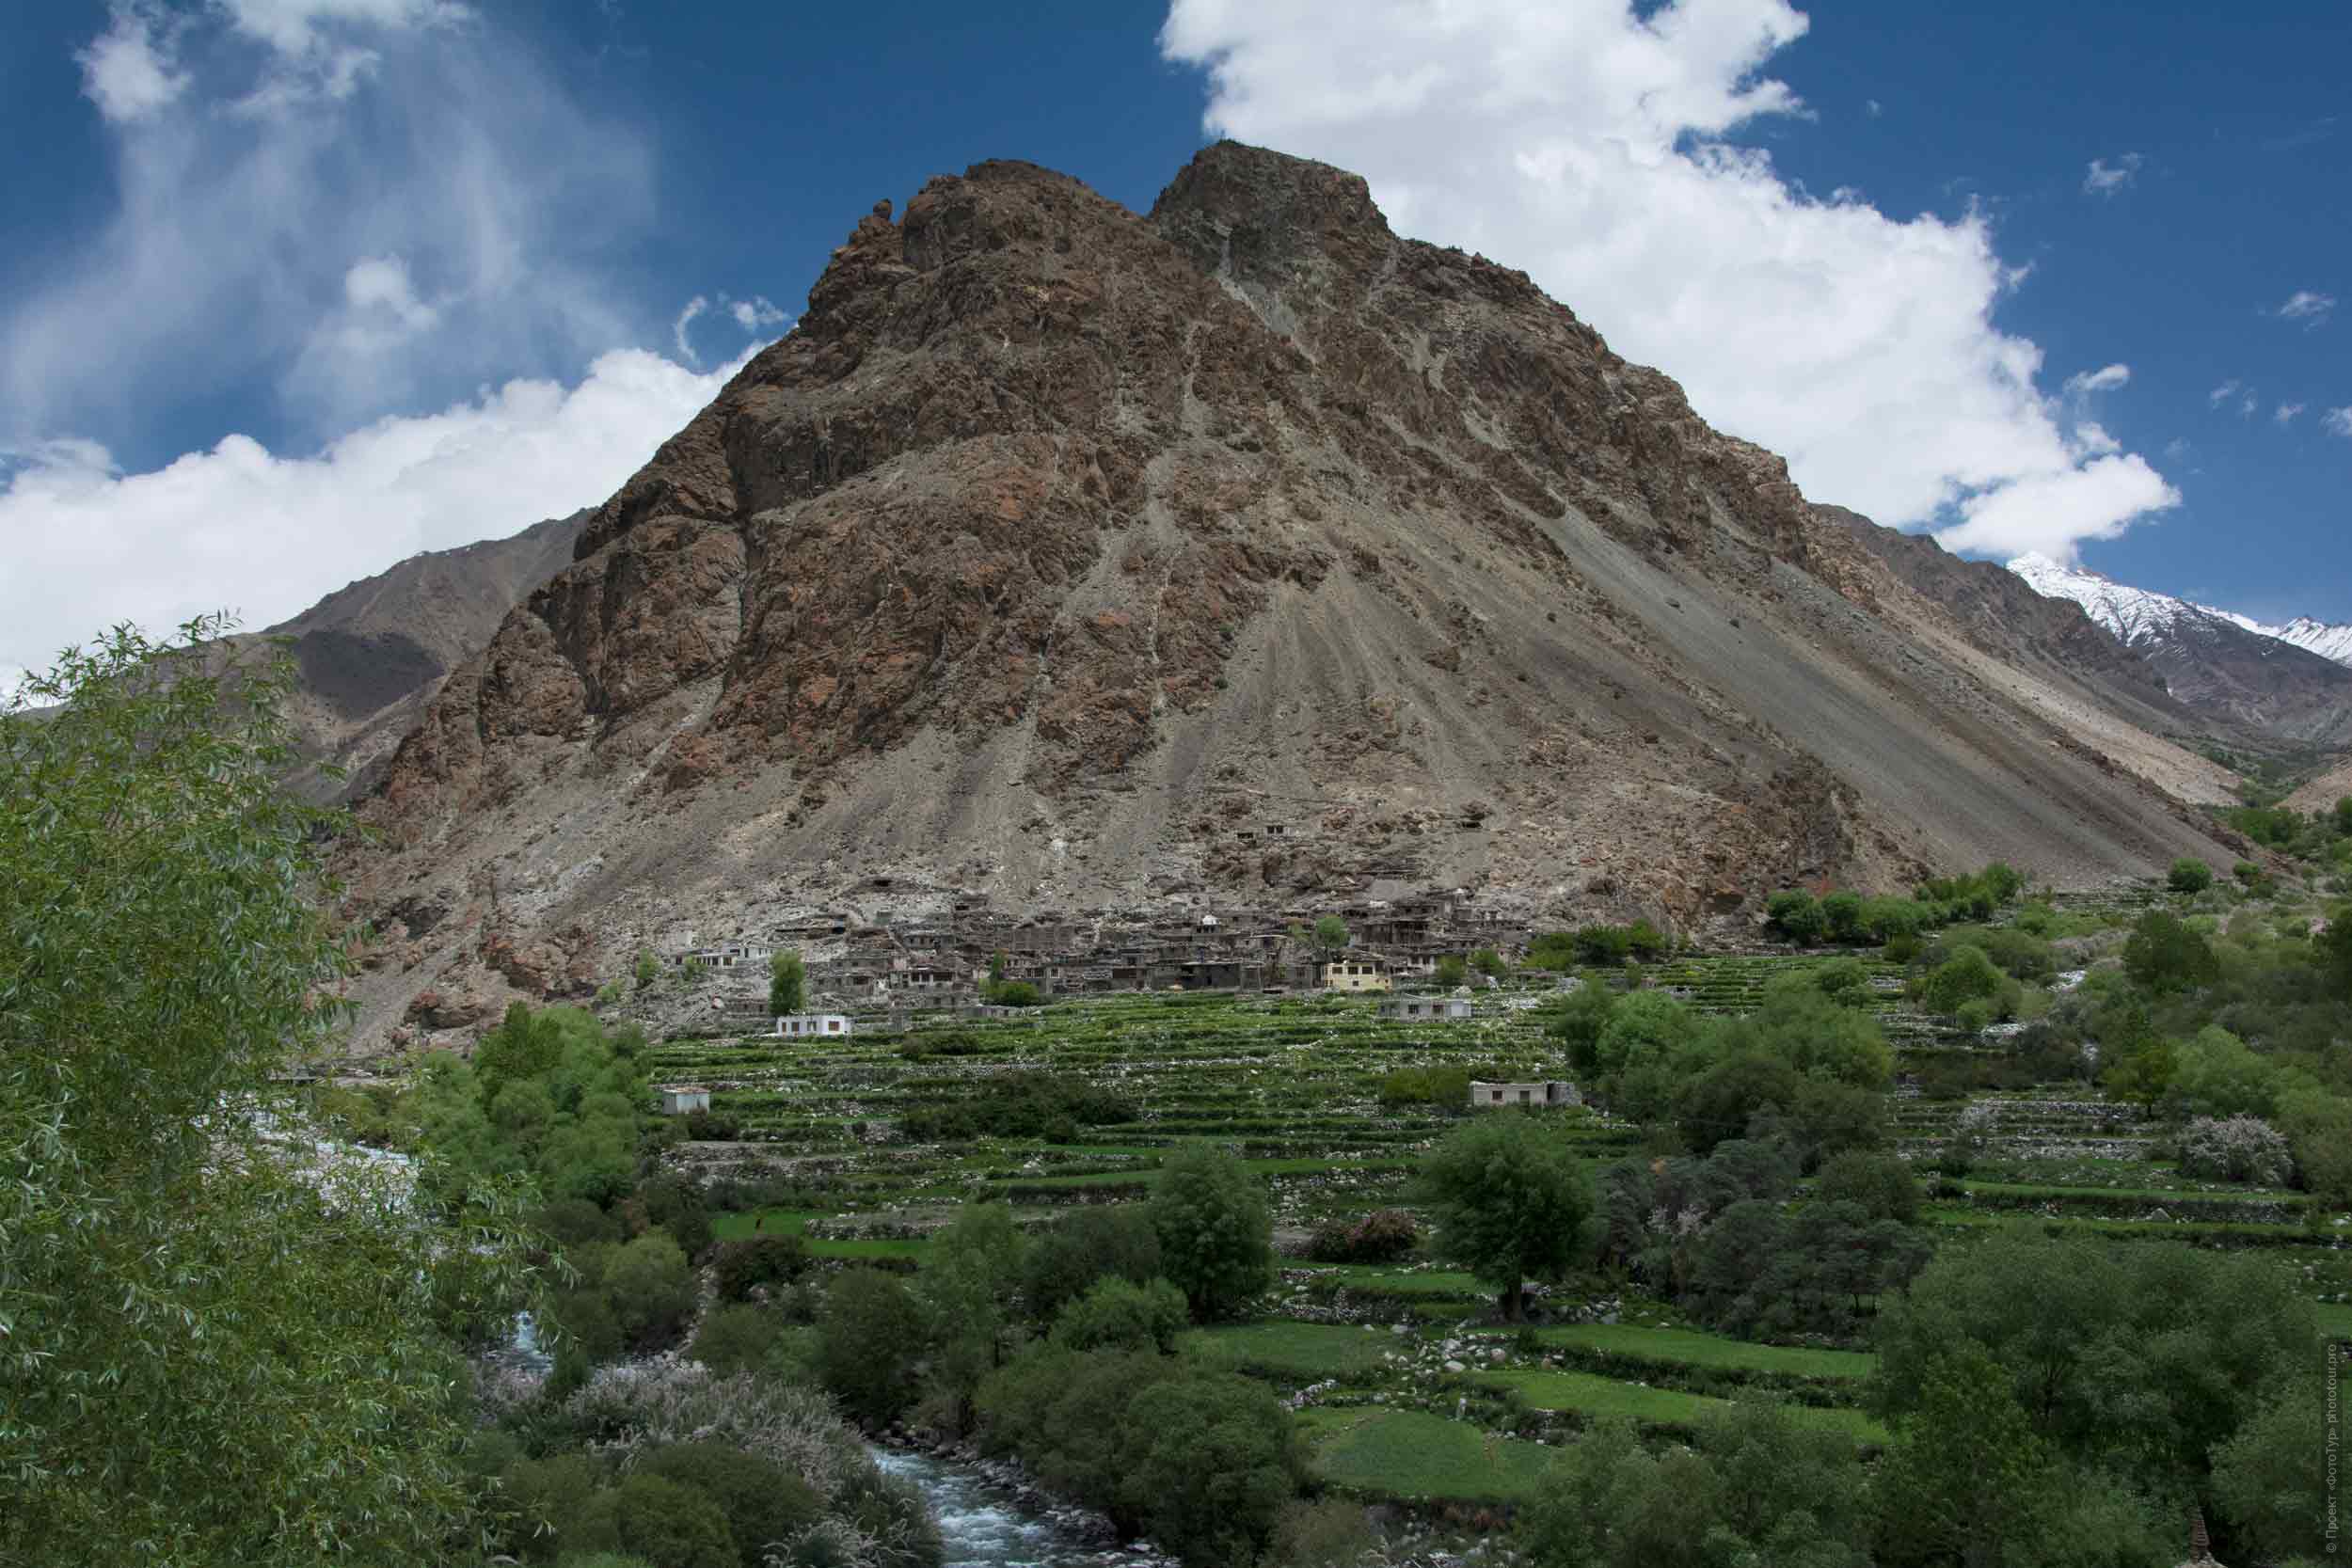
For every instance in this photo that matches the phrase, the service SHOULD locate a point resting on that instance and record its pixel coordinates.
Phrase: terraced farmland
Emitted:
(1407, 1389)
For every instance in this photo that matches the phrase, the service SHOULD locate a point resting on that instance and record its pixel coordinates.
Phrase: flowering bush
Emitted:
(2238, 1148)
(1381, 1237)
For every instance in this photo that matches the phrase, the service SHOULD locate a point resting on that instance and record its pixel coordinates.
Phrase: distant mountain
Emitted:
(369, 654)
(2285, 681)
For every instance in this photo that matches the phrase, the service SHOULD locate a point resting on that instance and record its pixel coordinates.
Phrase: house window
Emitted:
(1498, 1097)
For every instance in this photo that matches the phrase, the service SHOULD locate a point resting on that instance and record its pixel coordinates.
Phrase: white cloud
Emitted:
(695, 306)
(1578, 139)
(2054, 514)
(2105, 179)
(754, 314)
(2106, 379)
(241, 528)
(2092, 440)
(2309, 307)
(2223, 393)
(245, 196)
(2287, 412)
(2338, 421)
(1874, 107)
(2234, 392)
(129, 70)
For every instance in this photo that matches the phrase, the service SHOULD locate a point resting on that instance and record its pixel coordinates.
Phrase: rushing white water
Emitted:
(984, 1527)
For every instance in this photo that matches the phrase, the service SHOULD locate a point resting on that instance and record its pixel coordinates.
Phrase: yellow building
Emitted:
(1356, 974)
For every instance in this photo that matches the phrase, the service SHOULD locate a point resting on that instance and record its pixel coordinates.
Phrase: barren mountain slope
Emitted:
(369, 654)
(1059, 549)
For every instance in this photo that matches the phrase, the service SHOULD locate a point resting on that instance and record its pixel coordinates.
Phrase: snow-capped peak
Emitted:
(2138, 617)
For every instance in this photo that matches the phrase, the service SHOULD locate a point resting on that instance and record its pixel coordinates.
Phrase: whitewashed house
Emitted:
(678, 1099)
(801, 1026)
(1421, 1009)
(1487, 1097)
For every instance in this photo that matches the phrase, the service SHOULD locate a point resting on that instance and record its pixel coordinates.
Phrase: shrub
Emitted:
(788, 983)
(648, 968)
(736, 1339)
(678, 1208)
(1114, 1314)
(673, 1526)
(1021, 1106)
(651, 1290)
(764, 1504)
(1603, 944)
(2164, 954)
(1797, 914)
(2241, 1149)
(868, 1337)
(1216, 1240)
(1447, 1087)
(1452, 971)
(1064, 1261)
(544, 1507)
(1489, 962)
(571, 1222)
(1879, 1184)
(1381, 1237)
(1208, 1463)
(1841, 916)
(2189, 875)
(744, 1266)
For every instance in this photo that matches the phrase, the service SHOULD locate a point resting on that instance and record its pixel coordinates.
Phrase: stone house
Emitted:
(1427, 1008)
(679, 1099)
(1486, 1097)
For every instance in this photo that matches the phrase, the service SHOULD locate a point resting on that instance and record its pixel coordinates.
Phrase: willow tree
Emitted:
(221, 1340)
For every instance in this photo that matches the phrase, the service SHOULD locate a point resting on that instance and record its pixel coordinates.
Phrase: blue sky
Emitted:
(294, 288)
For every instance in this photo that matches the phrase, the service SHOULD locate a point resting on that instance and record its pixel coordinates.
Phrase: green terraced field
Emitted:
(1671, 1347)
(1587, 1395)
(1413, 1455)
(1305, 1352)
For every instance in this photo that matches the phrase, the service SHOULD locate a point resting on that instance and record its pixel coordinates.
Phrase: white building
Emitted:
(800, 1026)
(733, 954)
(679, 1099)
(1486, 1097)
(1426, 1008)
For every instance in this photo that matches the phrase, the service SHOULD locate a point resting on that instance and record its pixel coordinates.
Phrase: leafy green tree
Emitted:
(1208, 1464)
(2165, 955)
(1879, 1184)
(2189, 875)
(765, 1505)
(736, 1339)
(651, 1289)
(1116, 1241)
(1331, 935)
(1968, 976)
(1841, 916)
(1647, 1025)
(1452, 971)
(971, 1287)
(2216, 1074)
(1577, 1022)
(218, 1349)
(1117, 1315)
(1216, 1239)
(673, 1526)
(788, 983)
(871, 1341)
(2334, 950)
(1797, 914)
(1511, 1200)
(1489, 964)
(1967, 1479)
(2270, 1480)
(648, 968)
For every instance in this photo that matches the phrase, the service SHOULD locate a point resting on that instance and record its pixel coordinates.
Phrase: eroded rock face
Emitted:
(1054, 531)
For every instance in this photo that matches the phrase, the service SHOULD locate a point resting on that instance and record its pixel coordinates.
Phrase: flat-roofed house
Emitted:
(1487, 1097)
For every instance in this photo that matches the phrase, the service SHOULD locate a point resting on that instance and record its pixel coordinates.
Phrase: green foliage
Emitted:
(648, 968)
(2270, 1479)
(1490, 963)
(1331, 933)
(736, 1339)
(547, 1507)
(1796, 914)
(2165, 955)
(1577, 1022)
(1116, 1314)
(1448, 1086)
(1881, 1185)
(650, 1289)
(1019, 1105)
(1972, 1476)
(1452, 971)
(870, 1337)
(1095, 1244)
(215, 1352)
(1759, 1271)
(1757, 1487)
(788, 983)
(1511, 1202)
(1841, 916)
(971, 1287)
(672, 1525)
(2216, 1075)
(2144, 1360)
(1555, 950)
(2188, 874)
(676, 1206)
(766, 1506)
(1383, 1236)
(1968, 976)
(1202, 1462)
(747, 1265)
(552, 1095)
(1216, 1239)
(1648, 1026)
